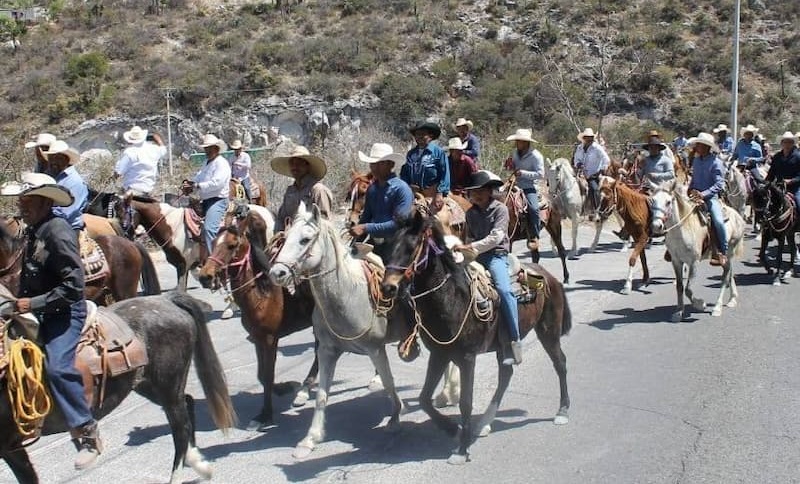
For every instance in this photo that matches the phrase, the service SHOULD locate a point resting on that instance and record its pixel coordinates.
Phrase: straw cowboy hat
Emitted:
(654, 138)
(381, 152)
(703, 139)
(38, 184)
(432, 128)
(485, 178)
(43, 139)
(586, 133)
(318, 169)
(59, 147)
(720, 128)
(522, 135)
(211, 140)
(456, 144)
(135, 136)
(787, 135)
(463, 122)
(237, 144)
(748, 129)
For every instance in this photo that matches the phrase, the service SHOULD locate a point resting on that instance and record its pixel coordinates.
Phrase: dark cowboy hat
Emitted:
(432, 128)
(485, 178)
(655, 139)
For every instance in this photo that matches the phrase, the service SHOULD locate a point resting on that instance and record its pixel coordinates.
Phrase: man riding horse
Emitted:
(785, 166)
(426, 166)
(240, 167)
(60, 165)
(308, 171)
(527, 164)
(138, 166)
(708, 180)
(748, 152)
(591, 160)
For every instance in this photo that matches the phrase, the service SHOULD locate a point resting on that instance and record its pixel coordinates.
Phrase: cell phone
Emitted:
(149, 137)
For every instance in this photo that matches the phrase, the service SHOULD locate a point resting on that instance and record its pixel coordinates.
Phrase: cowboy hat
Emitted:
(720, 128)
(748, 129)
(135, 136)
(380, 152)
(456, 144)
(483, 178)
(586, 133)
(211, 140)
(43, 139)
(59, 147)
(38, 184)
(317, 167)
(522, 135)
(236, 145)
(463, 122)
(787, 135)
(432, 128)
(703, 139)
(654, 139)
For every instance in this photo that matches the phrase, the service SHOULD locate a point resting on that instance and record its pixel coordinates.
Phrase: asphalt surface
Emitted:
(707, 400)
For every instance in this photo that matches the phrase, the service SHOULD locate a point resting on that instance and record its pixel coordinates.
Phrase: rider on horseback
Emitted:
(426, 165)
(724, 141)
(528, 166)
(40, 145)
(240, 167)
(785, 166)
(590, 160)
(462, 167)
(51, 286)
(138, 165)
(60, 165)
(708, 180)
(659, 164)
(748, 153)
(307, 171)
(472, 144)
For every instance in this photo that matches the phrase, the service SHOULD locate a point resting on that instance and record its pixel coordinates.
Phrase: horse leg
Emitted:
(20, 464)
(266, 349)
(551, 342)
(437, 363)
(381, 363)
(792, 255)
(504, 374)
(575, 220)
(598, 227)
(467, 366)
(179, 423)
(304, 393)
(193, 456)
(451, 391)
(626, 289)
(328, 357)
(645, 269)
(762, 254)
(697, 303)
(778, 260)
(554, 228)
(677, 267)
(727, 275)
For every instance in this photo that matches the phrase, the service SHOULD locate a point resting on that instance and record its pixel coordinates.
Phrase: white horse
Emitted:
(674, 217)
(565, 195)
(343, 318)
(735, 189)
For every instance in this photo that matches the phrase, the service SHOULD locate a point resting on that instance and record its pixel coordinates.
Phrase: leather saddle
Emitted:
(520, 205)
(524, 279)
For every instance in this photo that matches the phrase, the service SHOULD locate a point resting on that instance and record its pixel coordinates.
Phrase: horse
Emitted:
(776, 209)
(258, 192)
(127, 262)
(269, 312)
(344, 318)
(357, 195)
(456, 329)
(735, 194)
(173, 329)
(633, 208)
(565, 195)
(688, 242)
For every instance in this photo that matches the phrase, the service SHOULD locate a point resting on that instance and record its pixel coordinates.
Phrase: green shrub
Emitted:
(407, 98)
(92, 66)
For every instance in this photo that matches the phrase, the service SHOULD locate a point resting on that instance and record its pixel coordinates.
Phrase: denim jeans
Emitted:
(60, 334)
(214, 210)
(533, 211)
(246, 186)
(714, 206)
(594, 192)
(497, 265)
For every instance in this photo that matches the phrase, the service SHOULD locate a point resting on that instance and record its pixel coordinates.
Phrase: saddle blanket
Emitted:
(193, 222)
(95, 265)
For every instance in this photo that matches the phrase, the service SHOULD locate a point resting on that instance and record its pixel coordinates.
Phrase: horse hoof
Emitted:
(732, 303)
(393, 427)
(265, 426)
(301, 398)
(561, 420)
(375, 384)
(625, 290)
(677, 316)
(698, 304)
(227, 314)
(457, 460)
(485, 431)
(253, 425)
(776, 282)
(302, 451)
(717, 312)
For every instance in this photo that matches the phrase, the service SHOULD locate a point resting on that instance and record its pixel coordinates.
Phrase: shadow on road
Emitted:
(660, 314)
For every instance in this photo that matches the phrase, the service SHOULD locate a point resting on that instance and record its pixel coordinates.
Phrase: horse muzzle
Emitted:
(281, 275)
(390, 286)
(657, 228)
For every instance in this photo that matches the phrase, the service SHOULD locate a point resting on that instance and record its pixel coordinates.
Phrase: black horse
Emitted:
(778, 214)
(173, 328)
(453, 332)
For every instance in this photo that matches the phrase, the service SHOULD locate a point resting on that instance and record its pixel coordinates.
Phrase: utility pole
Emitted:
(168, 95)
(735, 80)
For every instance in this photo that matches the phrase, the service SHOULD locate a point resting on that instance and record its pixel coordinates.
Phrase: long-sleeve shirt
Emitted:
(461, 172)
(52, 271)
(488, 229)
(240, 166)
(708, 175)
(427, 167)
(531, 168)
(726, 145)
(307, 190)
(593, 159)
(473, 149)
(785, 167)
(72, 181)
(138, 166)
(384, 204)
(747, 149)
(213, 180)
(658, 169)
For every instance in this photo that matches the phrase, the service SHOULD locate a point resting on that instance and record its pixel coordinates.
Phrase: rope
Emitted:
(30, 401)
(682, 219)
(418, 321)
(328, 324)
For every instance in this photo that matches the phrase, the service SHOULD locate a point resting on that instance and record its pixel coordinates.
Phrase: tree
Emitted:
(11, 31)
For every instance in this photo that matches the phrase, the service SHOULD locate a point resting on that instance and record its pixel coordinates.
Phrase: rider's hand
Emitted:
(696, 196)
(23, 305)
(438, 201)
(358, 230)
(462, 247)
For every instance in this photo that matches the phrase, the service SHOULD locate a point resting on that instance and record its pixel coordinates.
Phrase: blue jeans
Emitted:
(497, 265)
(246, 186)
(214, 210)
(60, 334)
(594, 191)
(714, 206)
(533, 211)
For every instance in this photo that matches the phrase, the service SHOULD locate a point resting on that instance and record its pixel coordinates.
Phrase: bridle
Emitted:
(613, 204)
(785, 218)
(419, 261)
(305, 254)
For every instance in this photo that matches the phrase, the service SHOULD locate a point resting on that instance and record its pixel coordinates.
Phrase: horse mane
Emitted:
(437, 232)
(565, 165)
(636, 204)
(6, 238)
(256, 236)
(329, 230)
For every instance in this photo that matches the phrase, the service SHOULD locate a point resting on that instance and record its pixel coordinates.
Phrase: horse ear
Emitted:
(315, 212)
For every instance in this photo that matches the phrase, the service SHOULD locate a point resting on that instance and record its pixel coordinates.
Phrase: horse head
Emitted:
(231, 250)
(662, 207)
(357, 194)
(304, 250)
(762, 197)
(608, 194)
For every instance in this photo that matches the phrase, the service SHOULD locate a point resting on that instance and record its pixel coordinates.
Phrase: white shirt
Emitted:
(594, 158)
(213, 179)
(240, 166)
(138, 166)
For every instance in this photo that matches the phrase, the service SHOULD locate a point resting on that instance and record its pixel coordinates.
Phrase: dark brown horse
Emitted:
(453, 331)
(269, 312)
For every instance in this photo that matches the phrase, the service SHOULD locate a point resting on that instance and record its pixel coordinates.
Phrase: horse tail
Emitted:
(209, 369)
(566, 314)
(150, 282)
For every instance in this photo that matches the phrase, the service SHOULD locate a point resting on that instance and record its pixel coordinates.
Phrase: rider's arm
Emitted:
(219, 177)
(497, 234)
(443, 173)
(403, 200)
(122, 164)
(718, 171)
(538, 168)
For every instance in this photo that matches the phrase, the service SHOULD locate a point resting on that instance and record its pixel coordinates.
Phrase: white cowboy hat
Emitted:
(483, 178)
(721, 127)
(748, 129)
(43, 139)
(59, 147)
(318, 169)
(522, 135)
(586, 133)
(456, 144)
(380, 152)
(463, 122)
(703, 139)
(38, 184)
(237, 144)
(211, 140)
(787, 135)
(135, 136)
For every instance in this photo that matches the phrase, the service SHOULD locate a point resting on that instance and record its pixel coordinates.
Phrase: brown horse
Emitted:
(258, 192)
(269, 312)
(634, 209)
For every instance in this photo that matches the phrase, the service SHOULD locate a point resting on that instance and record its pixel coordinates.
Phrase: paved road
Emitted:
(708, 400)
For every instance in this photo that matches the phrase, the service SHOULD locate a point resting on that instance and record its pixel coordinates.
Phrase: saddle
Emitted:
(374, 270)
(193, 222)
(457, 214)
(95, 264)
(526, 283)
(516, 201)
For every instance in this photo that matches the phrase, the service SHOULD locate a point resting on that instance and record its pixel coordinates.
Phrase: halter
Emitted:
(292, 266)
(668, 214)
(421, 257)
(784, 219)
(607, 212)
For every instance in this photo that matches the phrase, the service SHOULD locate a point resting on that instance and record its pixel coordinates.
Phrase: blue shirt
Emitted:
(708, 175)
(383, 204)
(72, 181)
(727, 145)
(427, 167)
(680, 142)
(473, 148)
(747, 149)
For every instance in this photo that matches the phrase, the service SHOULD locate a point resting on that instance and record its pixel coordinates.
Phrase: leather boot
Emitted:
(719, 259)
(87, 442)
